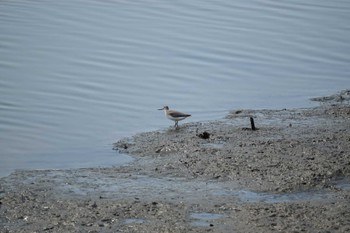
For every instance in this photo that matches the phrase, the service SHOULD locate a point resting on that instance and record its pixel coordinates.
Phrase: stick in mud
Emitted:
(252, 123)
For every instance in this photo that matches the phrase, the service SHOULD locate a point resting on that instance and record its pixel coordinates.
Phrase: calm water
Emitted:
(76, 75)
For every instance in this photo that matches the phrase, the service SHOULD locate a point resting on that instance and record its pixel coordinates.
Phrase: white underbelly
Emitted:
(175, 118)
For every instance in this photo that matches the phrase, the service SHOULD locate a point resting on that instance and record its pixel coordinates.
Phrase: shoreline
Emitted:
(292, 174)
(308, 146)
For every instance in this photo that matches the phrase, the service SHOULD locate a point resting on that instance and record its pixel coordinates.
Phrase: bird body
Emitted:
(174, 115)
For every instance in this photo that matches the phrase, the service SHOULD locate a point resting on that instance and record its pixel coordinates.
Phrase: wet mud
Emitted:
(291, 174)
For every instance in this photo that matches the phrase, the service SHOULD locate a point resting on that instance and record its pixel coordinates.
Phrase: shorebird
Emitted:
(174, 115)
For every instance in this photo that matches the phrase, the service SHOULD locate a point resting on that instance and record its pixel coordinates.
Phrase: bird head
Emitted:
(164, 108)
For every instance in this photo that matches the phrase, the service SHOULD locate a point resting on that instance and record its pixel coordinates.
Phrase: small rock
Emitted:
(94, 205)
(106, 220)
(204, 135)
(159, 150)
(48, 228)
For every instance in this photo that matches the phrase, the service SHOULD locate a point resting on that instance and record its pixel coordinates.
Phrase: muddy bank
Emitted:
(118, 200)
(292, 150)
(292, 174)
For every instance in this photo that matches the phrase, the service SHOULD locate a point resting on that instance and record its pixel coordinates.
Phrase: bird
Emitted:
(174, 115)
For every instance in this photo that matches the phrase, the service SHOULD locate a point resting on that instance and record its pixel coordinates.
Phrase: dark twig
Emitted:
(252, 123)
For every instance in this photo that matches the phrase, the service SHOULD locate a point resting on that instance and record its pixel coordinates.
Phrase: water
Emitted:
(95, 183)
(134, 221)
(203, 219)
(248, 196)
(76, 75)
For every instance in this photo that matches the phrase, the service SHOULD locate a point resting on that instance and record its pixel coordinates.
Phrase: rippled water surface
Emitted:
(77, 75)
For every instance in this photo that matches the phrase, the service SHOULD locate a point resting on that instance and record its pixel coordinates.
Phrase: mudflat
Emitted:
(290, 174)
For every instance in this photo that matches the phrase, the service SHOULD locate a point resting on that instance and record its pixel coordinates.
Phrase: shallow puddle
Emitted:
(85, 183)
(134, 221)
(204, 219)
(343, 185)
(214, 145)
(248, 196)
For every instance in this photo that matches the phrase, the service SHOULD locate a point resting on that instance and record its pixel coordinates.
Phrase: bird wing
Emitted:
(173, 113)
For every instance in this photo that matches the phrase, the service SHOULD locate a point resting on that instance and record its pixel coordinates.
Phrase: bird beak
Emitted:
(160, 108)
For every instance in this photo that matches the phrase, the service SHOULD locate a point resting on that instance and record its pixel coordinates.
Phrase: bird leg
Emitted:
(176, 124)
